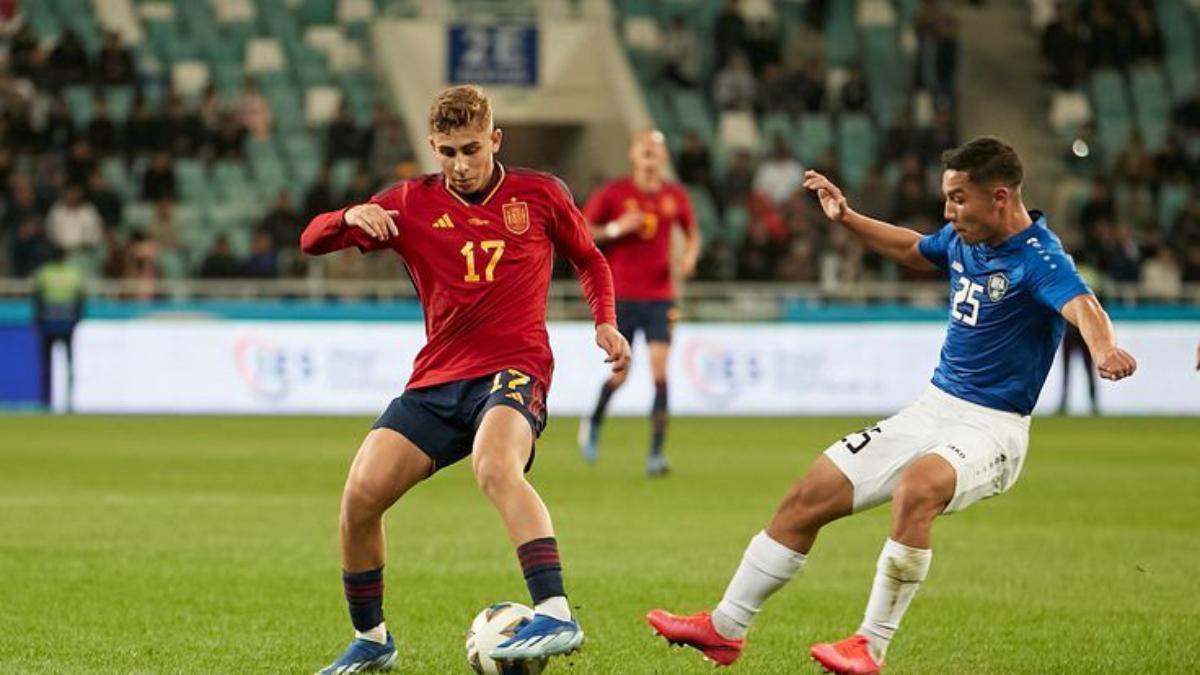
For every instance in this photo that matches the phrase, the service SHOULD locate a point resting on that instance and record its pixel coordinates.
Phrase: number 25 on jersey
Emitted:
(493, 246)
(967, 294)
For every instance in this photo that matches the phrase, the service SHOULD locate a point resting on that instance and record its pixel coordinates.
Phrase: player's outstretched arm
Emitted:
(898, 244)
(368, 226)
(1085, 312)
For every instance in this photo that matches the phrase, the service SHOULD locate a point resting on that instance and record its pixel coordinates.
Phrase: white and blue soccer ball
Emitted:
(493, 626)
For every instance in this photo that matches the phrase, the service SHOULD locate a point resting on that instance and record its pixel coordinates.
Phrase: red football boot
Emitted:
(696, 631)
(847, 657)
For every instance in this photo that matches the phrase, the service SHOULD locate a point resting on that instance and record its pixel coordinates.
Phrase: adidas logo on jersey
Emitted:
(444, 223)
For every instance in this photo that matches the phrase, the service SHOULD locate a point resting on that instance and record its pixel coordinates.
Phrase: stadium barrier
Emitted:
(354, 367)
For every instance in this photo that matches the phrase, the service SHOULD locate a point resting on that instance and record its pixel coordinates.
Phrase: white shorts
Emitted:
(986, 447)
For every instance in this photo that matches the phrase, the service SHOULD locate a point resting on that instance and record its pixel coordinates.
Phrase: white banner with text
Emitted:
(150, 366)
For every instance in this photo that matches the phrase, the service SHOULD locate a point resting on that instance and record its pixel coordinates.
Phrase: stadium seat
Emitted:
(815, 137)
(738, 129)
(1148, 87)
(234, 11)
(707, 217)
(856, 147)
(321, 104)
(776, 125)
(189, 78)
(264, 55)
(641, 33)
(1069, 110)
(355, 11)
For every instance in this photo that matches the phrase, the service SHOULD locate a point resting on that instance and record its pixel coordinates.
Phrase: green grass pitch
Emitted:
(208, 545)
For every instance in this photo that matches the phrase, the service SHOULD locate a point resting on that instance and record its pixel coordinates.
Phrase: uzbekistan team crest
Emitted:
(997, 286)
(516, 217)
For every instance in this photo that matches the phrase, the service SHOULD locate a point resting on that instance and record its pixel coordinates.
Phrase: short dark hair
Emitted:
(986, 160)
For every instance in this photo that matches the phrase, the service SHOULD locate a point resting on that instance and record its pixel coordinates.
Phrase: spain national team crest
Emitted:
(516, 217)
(997, 286)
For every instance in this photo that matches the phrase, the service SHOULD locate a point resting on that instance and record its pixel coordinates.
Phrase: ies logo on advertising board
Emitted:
(720, 372)
(269, 370)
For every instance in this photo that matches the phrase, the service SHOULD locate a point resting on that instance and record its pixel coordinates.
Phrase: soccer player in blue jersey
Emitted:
(963, 440)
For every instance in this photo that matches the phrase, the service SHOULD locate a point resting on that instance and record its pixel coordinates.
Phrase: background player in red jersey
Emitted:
(634, 217)
(478, 240)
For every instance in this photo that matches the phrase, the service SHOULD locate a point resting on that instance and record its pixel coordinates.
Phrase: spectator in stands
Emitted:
(141, 270)
(854, 97)
(24, 54)
(1063, 45)
(51, 123)
(913, 204)
(230, 140)
(1145, 41)
(388, 145)
(1187, 114)
(320, 197)
(361, 187)
(941, 135)
(81, 162)
(159, 179)
(20, 202)
(30, 245)
(344, 139)
(809, 83)
(255, 110)
(738, 179)
(211, 111)
(804, 44)
(264, 261)
(1120, 254)
(68, 60)
(762, 42)
(182, 128)
(734, 87)
(283, 223)
(164, 228)
(115, 62)
(797, 264)
(694, 163)
(1135, 177)
(102, 132)
(1106, 45)
(729, 32)
(682, 55)
(937, 50)
(220, 262)
(108, 204)
(1191, 262)
(73, 224)
(141, 129)
(1161, 277)
(780, 175)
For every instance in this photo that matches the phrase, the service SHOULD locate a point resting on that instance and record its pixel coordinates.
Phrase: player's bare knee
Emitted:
(360, 503)
(916, 500)
(618, 379)
(495, 476)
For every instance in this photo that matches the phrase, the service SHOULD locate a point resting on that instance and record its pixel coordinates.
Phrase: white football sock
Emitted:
(556, 607)
(377, 634)
(898, 575)
(766, 566)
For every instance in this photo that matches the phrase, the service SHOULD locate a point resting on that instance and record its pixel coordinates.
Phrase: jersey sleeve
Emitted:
(1055, 281)
(936, 247)
(596, 210)
(573, 240)
(328, 232)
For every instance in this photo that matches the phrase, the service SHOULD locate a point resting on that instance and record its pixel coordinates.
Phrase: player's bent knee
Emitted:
(812, 504)
(495, 476)
(360, 503)
(920, 500)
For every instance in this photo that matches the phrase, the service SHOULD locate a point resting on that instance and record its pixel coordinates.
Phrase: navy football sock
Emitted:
(542, 568)
(364, 594)
(606, 393)
(658, 418)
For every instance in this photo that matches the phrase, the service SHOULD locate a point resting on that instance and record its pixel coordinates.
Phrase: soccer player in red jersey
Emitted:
(634, 217)
(478, 240)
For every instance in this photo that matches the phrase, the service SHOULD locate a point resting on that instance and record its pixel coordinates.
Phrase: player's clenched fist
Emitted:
(614, 345)
(1116, 364)
(374, 220)
(833, 202)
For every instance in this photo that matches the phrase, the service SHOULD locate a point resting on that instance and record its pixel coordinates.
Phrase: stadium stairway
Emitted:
(1001, 93)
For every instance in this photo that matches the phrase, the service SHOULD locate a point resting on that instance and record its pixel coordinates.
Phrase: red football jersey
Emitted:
(641, 260)
(482, 271)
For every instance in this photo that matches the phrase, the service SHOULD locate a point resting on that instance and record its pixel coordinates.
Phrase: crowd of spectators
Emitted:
(1139, 215)
(56, 196)
(768, 228)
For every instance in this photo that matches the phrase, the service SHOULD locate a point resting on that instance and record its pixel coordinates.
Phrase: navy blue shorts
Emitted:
(655, 318)
(442, 419)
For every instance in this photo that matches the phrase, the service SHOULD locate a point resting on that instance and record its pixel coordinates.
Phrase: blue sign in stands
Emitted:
(505, 54)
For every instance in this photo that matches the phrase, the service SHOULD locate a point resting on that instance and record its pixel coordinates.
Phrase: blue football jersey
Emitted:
(1005, 324)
